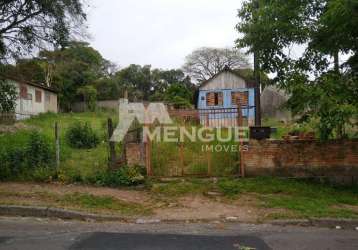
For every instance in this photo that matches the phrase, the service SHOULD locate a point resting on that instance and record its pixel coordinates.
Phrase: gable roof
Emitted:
(249, 83)
(37, 85)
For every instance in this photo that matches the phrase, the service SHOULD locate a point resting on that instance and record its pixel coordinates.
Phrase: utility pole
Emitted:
(257, 80)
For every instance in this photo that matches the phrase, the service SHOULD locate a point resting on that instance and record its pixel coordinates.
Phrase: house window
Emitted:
(38, 96)
(23, 92)
(239, 98)
(214, 99)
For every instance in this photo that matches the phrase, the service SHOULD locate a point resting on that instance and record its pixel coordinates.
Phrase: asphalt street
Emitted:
(37, 234)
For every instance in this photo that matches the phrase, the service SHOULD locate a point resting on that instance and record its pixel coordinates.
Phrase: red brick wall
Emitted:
(301, 158)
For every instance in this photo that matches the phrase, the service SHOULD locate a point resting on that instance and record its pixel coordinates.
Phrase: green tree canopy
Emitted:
(29, 24)
(320, 85)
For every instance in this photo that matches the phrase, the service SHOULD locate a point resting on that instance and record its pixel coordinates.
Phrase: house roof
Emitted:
(37, 85)
(249, 83)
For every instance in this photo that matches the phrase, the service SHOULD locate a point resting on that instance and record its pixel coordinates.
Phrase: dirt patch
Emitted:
(15, 127)
(199, 207)
(245, 208)
(345, 206)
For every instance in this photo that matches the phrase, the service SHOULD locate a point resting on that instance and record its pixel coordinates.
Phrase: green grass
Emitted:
(166, 160)
(95, 203)
(302, 199)
(285, 128)
(306, 199)
(77, 201)
(76, 164)
(179, 188)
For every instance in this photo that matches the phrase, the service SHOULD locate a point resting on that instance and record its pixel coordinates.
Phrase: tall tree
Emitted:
(29, 24)
(205, 62)
(67, 69)
(145, 83)
(75, 66)
(320, 85)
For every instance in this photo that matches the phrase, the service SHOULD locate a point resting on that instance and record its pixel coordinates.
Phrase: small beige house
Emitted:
(33, 99)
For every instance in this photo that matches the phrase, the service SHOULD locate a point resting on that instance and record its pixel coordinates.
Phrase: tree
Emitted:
(144, 83)
(320, 87)
(179, 96)
(205, 62)
(108, 89)
(33, 70)
(89, 94)
(137, 80)
(29, 24)
(8, 97)
(66, 70)
(74, 66)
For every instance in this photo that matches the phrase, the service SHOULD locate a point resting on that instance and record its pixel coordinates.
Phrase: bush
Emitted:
(81, 135)
(26, 160)
(125, 176)
(39, 152)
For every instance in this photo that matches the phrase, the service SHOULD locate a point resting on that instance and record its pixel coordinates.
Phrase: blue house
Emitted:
(220, 96)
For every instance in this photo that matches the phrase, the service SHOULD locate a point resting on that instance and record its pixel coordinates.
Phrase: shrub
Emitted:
(39, 152)
(23, 161)
(43, 174)
(81, 135)
(125, 176)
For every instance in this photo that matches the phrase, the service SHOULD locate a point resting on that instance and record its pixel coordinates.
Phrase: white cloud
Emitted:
(160, 32)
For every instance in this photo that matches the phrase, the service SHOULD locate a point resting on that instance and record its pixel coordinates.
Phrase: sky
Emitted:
(160, 32)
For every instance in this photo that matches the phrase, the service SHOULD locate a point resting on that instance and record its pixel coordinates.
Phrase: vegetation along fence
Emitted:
(196, 157)
(191, 156)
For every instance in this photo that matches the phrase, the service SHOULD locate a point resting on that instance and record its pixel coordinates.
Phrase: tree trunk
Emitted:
(336, 62)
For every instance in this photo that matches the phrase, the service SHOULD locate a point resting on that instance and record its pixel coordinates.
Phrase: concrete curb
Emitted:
(48, 212)
(322, 222)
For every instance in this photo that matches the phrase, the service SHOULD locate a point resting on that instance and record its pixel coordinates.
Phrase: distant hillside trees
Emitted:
(80, 73)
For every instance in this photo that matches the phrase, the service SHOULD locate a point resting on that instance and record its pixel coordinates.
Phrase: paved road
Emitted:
(37, 234)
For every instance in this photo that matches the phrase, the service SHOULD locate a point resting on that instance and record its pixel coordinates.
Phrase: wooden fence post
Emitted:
(240, 123)
(112, 145)
(148, 154)
(181, 155)
(57, 143)
(208, 154)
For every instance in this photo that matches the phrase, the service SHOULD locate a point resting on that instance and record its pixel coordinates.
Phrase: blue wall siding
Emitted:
(246, 112)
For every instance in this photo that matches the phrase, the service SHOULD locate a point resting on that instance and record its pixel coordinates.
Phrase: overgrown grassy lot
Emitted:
(76, 164)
